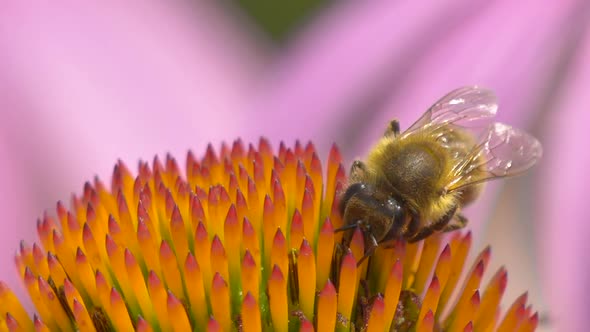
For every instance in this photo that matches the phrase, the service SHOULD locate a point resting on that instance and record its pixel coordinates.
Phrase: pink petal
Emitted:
(16, 190)
(85, 84)
(367, 62)
(563, 192)
(412, 52)
(336, 63)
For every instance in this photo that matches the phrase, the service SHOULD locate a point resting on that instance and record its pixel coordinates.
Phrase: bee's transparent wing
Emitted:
(502, 151)
(468, 107)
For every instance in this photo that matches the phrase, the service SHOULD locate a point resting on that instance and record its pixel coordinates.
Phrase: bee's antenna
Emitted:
(370, 251)
(346, 227)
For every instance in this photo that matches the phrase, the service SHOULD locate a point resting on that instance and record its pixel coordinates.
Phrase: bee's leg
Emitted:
(370, 250)
(443, 224)
(388, 244)
(412, 227)
(426, 231)
(459, 221)
(392, 129)
(422, 234)
(339, 251)
(440, 224)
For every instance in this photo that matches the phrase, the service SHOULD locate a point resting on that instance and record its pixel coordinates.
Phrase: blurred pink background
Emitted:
(84, 85)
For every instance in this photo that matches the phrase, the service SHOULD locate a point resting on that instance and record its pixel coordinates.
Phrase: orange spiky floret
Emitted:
(244, 239)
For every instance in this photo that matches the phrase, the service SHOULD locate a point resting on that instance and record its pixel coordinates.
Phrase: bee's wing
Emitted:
(469, 106)
(501, 151)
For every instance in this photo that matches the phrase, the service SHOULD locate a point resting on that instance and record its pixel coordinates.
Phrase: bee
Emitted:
(416, 182)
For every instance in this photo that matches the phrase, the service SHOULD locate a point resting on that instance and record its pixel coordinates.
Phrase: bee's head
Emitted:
(375, 212)
(384, 220)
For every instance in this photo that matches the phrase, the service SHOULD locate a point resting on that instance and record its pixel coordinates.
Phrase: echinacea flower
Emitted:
(244, 240)
(55, 64)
